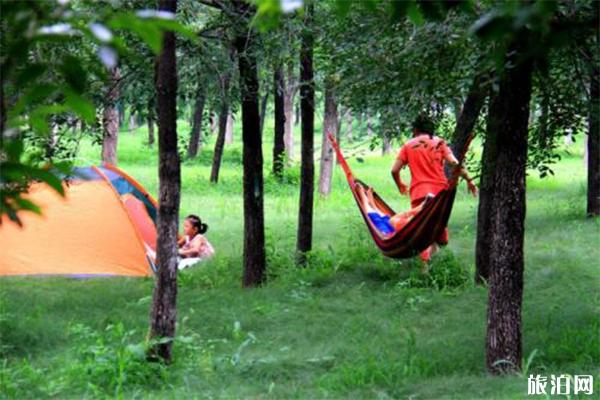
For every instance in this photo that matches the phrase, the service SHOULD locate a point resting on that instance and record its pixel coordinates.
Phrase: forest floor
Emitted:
(353, 324)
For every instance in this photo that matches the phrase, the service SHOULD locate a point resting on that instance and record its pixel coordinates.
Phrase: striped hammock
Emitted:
(419, 233)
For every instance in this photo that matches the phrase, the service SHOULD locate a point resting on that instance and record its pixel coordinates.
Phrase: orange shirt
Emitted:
(425, 158)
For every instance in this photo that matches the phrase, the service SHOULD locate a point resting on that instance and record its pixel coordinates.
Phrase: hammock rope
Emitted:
(420, 232)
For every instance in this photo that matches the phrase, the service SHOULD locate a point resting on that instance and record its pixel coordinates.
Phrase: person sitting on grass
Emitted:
(193, 244)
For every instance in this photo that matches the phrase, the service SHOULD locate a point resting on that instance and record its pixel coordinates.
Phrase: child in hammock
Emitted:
(193, 244)
(388, 224)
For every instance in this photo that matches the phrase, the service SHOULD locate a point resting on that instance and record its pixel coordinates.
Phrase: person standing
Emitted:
(425, 155)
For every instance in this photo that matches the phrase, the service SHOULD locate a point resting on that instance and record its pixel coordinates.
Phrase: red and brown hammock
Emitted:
(419, 233)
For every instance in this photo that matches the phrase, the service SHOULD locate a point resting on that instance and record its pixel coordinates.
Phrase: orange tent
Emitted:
(105, 225)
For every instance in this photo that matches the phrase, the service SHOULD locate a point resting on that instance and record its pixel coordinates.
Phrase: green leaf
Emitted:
(30, 73)
(414, 13)
(39, 117)
(34, 95)
(492, 25)
(74, 73)
(18, 171)
(146, 30)
(81, 106)
(342, 7)
(24, 204)
(13, 148)
(173, 26)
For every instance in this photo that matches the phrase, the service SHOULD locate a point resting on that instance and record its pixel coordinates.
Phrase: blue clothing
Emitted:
(381, 222)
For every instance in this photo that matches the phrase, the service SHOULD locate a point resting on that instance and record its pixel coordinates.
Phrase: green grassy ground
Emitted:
(352, 325)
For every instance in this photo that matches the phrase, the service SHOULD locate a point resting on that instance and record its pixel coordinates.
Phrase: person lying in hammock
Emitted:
(387, 224)
(425, 155)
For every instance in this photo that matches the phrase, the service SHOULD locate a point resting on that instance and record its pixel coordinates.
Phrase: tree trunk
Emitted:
(121, 112)
(464, 127)
(543, 134)
(349, 121)
(330, 126)
(297, 115)
(486, 181)
(369, 126)
(229, 129)
(307, 110)
(288, 109)
(508, 123)
(254, 228)
(3, 116)
(278, 142)
(52, 141)
(263, 111)
(110, 119)
(220, 142)
(163, 314)
(361, 129)
(593, 142)
(214, 124)
(467, 118)
(150, 122)
(132, 122)
(195, 142)
(386, 147)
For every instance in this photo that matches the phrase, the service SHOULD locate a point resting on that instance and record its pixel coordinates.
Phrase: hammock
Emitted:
(419, 233)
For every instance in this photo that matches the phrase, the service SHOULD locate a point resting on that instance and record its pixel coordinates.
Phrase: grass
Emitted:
(352, 325)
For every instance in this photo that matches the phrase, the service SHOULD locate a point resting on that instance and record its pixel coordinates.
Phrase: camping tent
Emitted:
(105, 225)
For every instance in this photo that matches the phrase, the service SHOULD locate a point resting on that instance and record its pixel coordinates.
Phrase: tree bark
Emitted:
(330, 126)
(297, 115)
(386, 146)
(195, 142)
(593, 142)
(467, 118)
(110, 119)
(254, 227)
(464, 127)
(543, 134)
(307, 111)
(349, 121)
(278, 142)
(3, 116)
(121, 112)
(213, 122)
(150, 122)
(263, 111)
(288, 109)
(163, 314)
(132, 122)
(229, 129)
(220, 142)
(508, 124)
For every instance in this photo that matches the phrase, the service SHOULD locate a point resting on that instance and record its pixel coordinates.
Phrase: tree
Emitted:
(110, 119)
(278, 142)
(263, 111)
(307, 110)
(330, 126)
(254, 229)
(150, 122)
(163, 313)
(593, 189)
(223, 113)
(508, 126)
(291, 87)
(229, 128)
(195, 141)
